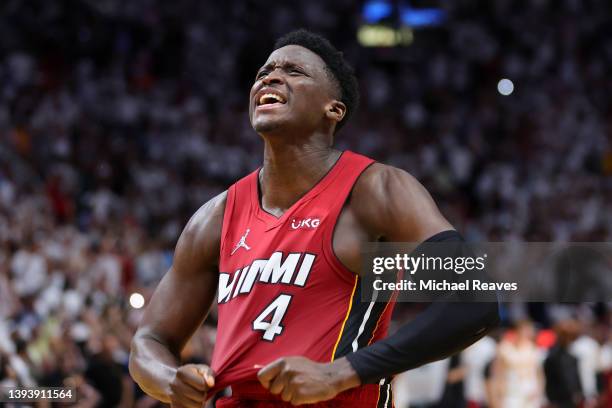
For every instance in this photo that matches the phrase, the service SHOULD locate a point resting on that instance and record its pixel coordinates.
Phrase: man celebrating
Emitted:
(280, 248)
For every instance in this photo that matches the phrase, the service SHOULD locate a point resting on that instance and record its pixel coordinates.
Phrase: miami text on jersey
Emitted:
(278, 269)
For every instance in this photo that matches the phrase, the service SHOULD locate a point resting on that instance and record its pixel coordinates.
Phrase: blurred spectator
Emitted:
(587, 352)
(476, 359)
(453, 395)
(563, 387)
(517, 372)
(422, 387)
(106, 375)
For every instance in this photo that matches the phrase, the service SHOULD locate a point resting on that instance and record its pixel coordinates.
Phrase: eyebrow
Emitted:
(285, 64)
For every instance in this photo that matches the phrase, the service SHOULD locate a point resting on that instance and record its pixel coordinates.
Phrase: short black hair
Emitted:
(341, 72)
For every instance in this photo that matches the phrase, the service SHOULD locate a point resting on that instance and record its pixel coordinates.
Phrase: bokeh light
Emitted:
(505, 86)
(137, 301)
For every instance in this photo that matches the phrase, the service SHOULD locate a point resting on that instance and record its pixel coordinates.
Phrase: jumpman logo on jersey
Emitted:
(242, 243)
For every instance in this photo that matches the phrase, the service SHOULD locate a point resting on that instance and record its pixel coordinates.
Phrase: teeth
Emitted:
(270, 98)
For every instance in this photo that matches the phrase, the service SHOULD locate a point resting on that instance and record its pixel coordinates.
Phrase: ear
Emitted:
(335, 110)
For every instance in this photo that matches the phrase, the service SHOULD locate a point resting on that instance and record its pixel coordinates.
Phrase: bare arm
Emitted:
(387, 204)
(178, 307)
(391, 205)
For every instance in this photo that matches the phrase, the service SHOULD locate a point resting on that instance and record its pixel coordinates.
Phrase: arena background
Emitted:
(118, 119)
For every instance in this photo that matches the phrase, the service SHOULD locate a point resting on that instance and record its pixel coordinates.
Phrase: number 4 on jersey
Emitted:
(271, 326)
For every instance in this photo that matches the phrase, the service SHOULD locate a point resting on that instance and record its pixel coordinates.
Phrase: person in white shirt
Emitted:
(517, 370)
(587, 351)
(421, 387)
(475, 359)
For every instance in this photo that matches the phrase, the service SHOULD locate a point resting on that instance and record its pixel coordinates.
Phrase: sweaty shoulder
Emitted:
(392, 205)
(200, 241)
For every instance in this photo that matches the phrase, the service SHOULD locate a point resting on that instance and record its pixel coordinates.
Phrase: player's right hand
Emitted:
(190, 385)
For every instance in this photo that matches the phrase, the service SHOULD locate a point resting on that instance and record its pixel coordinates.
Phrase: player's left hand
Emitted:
(299, 380)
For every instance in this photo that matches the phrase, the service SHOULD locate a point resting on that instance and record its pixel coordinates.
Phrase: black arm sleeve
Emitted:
(441, 330)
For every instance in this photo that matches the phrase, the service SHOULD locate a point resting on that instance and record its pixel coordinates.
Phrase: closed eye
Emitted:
(289, 68)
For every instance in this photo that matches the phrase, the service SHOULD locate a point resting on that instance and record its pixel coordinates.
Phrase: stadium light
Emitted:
(421, 17)
(505, 86)
(376, 10)
(137, 301)
(382, 36)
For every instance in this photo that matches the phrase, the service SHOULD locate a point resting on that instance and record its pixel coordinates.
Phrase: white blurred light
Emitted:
(505, 86)
(137, 300)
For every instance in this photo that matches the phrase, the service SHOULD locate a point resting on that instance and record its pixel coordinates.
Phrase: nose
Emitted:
(274, 77)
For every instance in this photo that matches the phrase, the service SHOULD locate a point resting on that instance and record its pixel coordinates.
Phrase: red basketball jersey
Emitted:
(282, 290)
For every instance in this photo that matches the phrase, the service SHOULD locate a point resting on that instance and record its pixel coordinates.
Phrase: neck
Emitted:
(290, 170)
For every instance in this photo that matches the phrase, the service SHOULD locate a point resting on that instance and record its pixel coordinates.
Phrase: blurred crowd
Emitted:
(565, 366)
(118, 119)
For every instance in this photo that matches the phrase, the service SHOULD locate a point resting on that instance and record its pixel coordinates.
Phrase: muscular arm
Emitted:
(400, 209)
(180, 303)
(391, 205)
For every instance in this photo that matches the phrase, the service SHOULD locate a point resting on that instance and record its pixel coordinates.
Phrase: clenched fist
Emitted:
(299, 380)
(190, 386)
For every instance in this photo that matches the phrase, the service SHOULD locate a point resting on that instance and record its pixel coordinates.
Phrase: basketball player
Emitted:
(280, 249)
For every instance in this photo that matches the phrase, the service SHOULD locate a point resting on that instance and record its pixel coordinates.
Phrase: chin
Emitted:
(266, 126)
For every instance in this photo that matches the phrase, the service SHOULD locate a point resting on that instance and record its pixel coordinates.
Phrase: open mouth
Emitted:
(270, 100)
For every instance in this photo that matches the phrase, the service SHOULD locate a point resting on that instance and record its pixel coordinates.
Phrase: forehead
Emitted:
(295, 54)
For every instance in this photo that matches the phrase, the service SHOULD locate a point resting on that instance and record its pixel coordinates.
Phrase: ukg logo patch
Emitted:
(309, 223)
